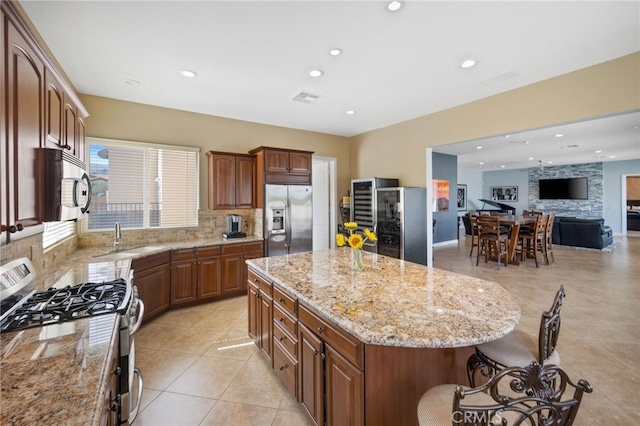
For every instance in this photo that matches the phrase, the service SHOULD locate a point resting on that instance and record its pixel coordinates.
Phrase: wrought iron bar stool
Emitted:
(519, 348)
(533, 395)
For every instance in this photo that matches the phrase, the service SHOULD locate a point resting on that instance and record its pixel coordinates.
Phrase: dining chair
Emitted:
(533, 394)
(548, 249)
(492, 237)
(474, 231)
(532, 239)
(519, 348)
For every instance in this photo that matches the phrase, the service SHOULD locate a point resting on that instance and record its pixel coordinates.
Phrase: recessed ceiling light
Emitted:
(549, 162)
(468, 63)
(335, 52)
(559, 135)
(478, 147)
(132, 82)
(531, 158)
(612, 156)
(394, 6)
(481, 163)
(188, 73)
(350, 112)
(598, 151)
(316, 73)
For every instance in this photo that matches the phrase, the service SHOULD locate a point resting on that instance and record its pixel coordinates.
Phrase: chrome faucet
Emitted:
(117, 238)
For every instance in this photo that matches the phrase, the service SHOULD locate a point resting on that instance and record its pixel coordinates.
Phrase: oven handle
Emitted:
(134, 412)
(139, 314)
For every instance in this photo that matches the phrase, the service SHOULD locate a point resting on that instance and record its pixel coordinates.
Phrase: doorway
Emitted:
(323, 180)
(630, 191)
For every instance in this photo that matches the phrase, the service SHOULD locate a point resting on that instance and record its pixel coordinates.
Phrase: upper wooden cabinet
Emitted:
(232, 180)
(23, 119)
(280, 167)
(39, 109)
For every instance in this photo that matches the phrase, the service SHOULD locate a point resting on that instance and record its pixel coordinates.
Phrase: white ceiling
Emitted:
(253, 57)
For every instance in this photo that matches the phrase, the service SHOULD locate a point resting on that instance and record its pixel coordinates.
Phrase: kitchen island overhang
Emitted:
(416, 325)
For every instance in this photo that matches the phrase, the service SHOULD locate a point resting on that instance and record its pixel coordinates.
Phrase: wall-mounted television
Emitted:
(564, 189)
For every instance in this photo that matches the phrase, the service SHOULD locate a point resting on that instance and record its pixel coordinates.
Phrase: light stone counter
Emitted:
(393, 302)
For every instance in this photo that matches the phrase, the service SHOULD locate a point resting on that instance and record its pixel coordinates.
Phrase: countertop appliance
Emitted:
(288, 222)
(234, 227)
(401, 215)
(22, 307)
(66, 186)
(363, 201)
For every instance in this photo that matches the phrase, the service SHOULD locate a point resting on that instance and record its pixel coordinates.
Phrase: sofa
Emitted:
(590, 233)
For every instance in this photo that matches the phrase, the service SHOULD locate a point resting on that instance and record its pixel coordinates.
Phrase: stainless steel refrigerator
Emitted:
(288, 219)
(401, 216)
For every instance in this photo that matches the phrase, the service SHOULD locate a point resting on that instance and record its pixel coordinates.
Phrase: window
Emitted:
(57, 231)
(142, 185)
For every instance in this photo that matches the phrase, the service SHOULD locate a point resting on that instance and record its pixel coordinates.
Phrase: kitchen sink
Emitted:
(113, 255)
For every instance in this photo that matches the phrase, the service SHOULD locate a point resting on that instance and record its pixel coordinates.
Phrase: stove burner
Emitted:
(69, 303)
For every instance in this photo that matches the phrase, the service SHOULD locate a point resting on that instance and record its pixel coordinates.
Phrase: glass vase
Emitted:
(356, 260)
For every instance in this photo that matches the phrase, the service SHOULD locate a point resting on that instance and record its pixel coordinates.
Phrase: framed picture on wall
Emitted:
(462, 198)
(441, 195)
(504, 193)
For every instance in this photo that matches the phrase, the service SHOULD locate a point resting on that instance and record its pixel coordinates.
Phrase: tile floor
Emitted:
(200, 369)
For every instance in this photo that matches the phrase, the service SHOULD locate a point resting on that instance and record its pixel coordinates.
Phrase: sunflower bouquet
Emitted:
(355, 241)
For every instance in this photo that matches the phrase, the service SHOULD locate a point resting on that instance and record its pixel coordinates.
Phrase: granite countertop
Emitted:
(393, 302)
(57, 374)
(50, 374)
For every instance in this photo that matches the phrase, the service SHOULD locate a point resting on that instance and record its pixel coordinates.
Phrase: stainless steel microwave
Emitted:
(67, 187)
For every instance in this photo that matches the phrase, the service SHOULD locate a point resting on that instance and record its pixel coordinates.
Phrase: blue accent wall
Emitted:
(445, 167)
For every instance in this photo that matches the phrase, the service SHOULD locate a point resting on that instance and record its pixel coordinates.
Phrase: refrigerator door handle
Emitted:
(287, 224)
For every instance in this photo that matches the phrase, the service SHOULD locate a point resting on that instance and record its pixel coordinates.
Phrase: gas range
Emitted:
(57, 305)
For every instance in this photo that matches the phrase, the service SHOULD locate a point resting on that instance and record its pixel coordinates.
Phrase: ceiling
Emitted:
(252, 58)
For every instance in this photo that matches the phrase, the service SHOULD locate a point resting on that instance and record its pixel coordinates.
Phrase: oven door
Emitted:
(129, 405)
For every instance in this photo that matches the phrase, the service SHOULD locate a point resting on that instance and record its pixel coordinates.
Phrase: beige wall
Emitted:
(399, 151)
(113, 119)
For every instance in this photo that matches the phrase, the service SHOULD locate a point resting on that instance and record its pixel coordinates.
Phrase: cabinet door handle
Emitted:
(320, 330)
(281, 300)
(257, 295)
(315, 352)
(281, 319)
(117, 371)
(281, 339)
(281, 367)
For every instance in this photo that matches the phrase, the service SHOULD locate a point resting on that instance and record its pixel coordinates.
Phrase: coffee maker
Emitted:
(234, 226)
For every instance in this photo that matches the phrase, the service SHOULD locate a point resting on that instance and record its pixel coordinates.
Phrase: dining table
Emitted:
(514, 222)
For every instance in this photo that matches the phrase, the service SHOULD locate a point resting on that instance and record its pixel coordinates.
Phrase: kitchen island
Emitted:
(362, 347)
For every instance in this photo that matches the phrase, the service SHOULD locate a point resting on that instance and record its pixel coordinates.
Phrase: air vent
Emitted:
(305, 98)
(499, 78)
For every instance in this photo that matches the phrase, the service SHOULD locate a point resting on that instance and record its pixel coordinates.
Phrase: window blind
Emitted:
(57, 231)
(142, 185)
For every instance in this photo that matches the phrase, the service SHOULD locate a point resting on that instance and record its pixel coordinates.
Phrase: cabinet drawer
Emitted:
(285, 320)
(285, 301)
(347, 345)
(286, 368)
(263, 284)
(151, 261)
(208, 251)
(285, 339)
(183, 254)
(241, 248)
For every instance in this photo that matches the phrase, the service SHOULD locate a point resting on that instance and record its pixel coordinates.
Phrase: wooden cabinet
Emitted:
(231, 180)
(23, 119)
(36, 106)
(110, 398)
(282, 167)
(260, 304)
(234, 268)
(195, 274)
(152, 277)
(331, 381)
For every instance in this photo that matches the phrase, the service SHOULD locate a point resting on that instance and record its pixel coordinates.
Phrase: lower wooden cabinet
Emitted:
(195, 274)
(260, 304)
(234, 275)
(311, 378)
(152, 277)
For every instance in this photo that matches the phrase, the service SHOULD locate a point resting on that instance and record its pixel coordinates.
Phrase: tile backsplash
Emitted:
(211, 224)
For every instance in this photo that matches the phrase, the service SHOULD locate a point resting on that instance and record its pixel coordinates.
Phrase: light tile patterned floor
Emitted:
(198, 372)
